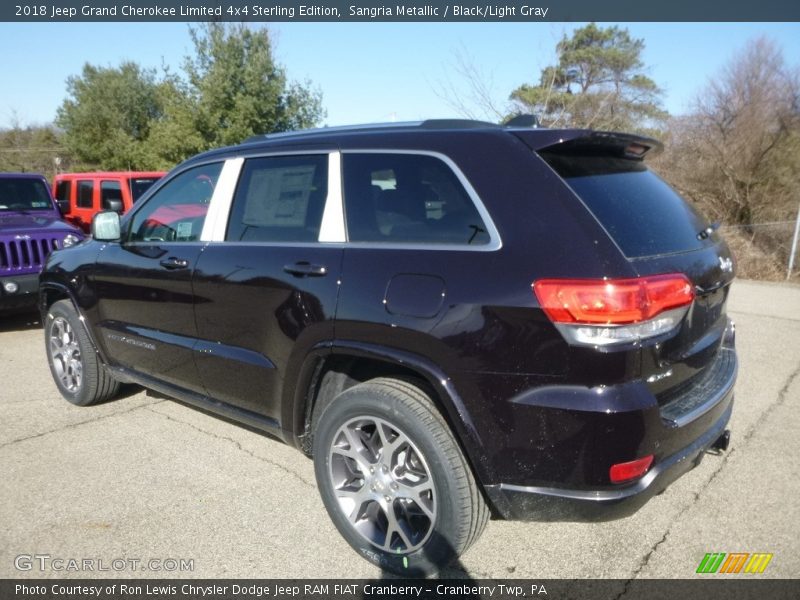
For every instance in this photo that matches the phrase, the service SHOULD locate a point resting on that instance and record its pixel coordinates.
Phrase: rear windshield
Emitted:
(643, 214)
(140, 185)
(24, 194)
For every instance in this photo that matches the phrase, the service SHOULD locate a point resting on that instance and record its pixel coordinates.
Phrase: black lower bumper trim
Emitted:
(26, 294)
(533, 503)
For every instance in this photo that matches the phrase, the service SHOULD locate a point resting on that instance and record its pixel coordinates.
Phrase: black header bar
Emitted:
(393, 588)
(409, 10)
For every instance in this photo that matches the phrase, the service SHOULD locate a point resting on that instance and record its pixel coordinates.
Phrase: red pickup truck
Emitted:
(81, 195)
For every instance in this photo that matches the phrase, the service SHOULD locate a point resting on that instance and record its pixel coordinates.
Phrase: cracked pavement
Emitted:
(143, 477)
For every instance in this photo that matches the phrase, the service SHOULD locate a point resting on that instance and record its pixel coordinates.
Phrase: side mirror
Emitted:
(114, 204)
(63, 206)
(105, 226)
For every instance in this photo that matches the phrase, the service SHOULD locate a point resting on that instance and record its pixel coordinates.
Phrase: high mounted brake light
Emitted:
(609, 311)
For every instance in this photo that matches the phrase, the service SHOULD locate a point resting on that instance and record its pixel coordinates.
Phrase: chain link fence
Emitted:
(763, 250)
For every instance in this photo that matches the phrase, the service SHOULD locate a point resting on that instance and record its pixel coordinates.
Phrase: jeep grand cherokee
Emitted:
(452, 318)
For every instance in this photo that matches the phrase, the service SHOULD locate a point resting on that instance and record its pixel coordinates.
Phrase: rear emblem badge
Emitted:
(726, 264)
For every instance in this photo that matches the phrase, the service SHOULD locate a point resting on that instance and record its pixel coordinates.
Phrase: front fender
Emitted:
(51, 292)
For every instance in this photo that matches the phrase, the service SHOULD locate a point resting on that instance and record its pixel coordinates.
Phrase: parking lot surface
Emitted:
(158, 485)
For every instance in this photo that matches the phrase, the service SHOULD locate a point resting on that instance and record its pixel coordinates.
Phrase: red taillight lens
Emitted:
(627, 471)
(612, 301)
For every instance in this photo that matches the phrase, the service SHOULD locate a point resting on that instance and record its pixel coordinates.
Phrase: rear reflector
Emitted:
(628, 471)
(612, 301)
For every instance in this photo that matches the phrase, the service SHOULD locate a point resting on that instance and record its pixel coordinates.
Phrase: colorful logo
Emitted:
(734, 562)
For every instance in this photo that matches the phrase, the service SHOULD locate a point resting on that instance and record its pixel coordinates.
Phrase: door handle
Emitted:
(173, 263)
(306, 269)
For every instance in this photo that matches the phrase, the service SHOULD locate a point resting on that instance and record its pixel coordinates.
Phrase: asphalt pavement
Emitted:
(144, 486)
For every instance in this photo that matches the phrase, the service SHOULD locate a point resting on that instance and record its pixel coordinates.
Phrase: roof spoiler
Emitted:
(588, 142)
(525, 120)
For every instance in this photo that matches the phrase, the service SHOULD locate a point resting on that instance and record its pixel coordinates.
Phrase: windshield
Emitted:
(24, 194)
(140, 185)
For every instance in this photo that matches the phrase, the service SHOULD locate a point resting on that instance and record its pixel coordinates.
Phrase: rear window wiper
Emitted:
(476, 229)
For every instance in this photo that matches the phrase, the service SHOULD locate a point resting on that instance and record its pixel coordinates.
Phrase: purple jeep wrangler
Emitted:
(30, 228)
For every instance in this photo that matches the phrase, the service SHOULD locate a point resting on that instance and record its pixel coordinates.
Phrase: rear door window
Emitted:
(643, 214)
(109, 190)
(408, 198)
(85, 194)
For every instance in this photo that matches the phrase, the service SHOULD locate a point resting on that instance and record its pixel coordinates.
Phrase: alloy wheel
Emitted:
(65, 353)
(383, 484)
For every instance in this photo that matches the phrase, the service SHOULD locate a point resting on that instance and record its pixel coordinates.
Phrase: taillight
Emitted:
(628, 471)
(608, 311)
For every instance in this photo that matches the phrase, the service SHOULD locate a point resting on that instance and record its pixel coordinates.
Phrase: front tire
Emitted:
(74, 364)
(394, 480)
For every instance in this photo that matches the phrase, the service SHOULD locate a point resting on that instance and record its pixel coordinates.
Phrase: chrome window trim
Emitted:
(352, 245)
(333, 229)
(495, 241)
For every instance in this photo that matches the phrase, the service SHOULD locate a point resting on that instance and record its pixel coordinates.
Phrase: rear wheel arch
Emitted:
(329, 375)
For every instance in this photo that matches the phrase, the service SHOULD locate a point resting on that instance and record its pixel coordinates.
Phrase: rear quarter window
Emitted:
(640, 211)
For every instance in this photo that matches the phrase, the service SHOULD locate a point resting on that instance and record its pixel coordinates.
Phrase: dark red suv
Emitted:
(455, 319)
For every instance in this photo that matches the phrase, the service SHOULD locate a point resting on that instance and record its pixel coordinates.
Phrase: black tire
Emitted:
(74, 364)
(424, 480)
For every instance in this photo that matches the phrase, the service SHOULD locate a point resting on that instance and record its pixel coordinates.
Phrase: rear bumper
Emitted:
(534, 503)
(627, 423)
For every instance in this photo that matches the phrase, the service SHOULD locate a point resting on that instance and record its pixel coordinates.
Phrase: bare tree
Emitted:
(470, 90)
(739, 153)
(737, 156)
